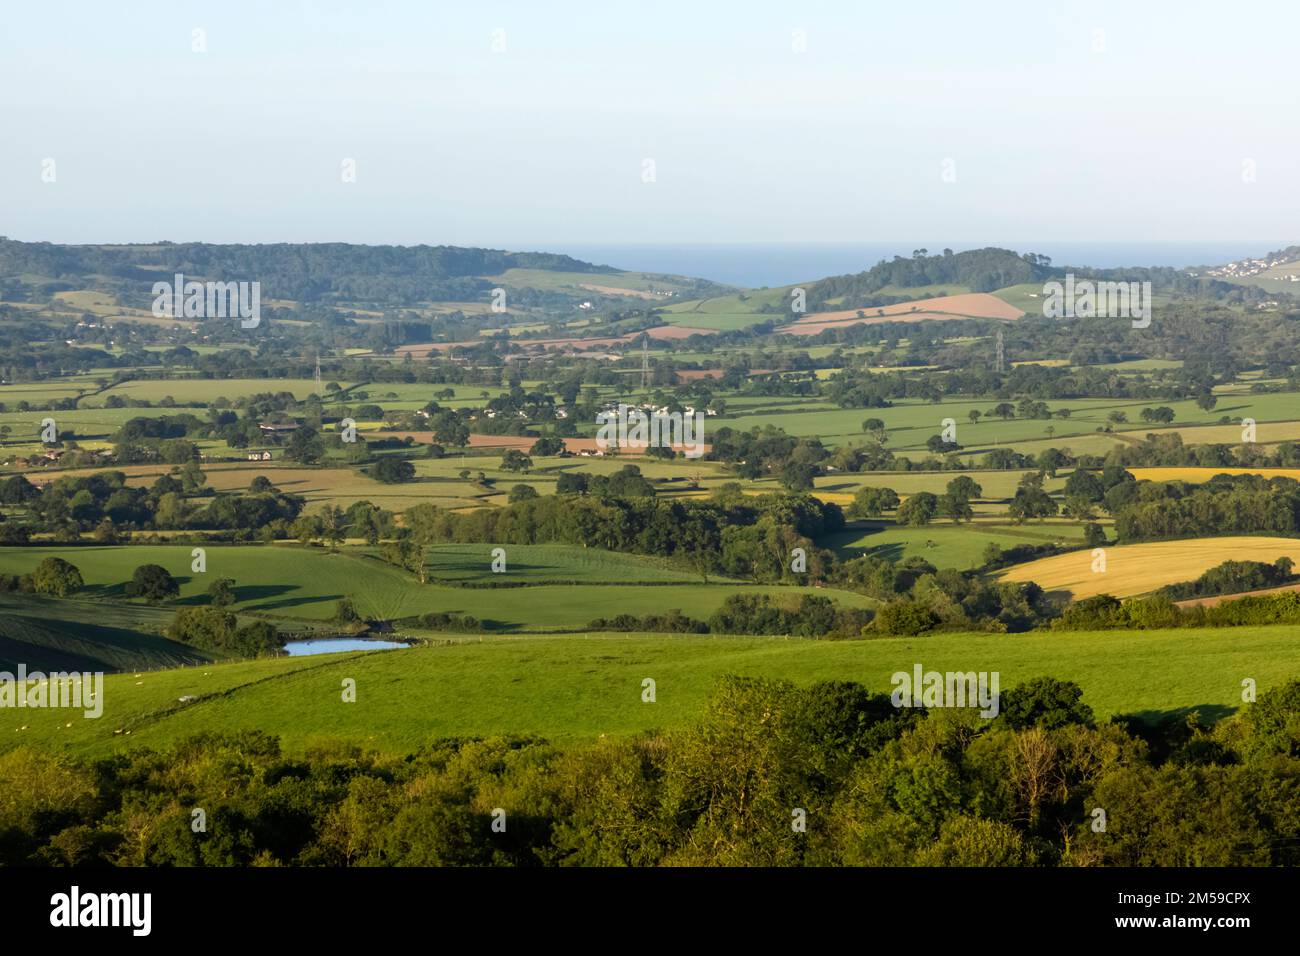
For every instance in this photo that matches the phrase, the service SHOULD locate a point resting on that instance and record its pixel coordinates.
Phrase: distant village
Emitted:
(1248, 268)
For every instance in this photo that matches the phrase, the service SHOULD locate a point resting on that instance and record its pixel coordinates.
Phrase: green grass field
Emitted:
(946, 545)
(910, 422)
(543, 563)
(86, 635)
(397, 394)
(729, 312)
(295, 582)
(994, 484)
(578, 688)
(207, 390)
(40, 392)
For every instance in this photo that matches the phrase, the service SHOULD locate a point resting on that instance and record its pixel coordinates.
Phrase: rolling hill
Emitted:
(45, 634)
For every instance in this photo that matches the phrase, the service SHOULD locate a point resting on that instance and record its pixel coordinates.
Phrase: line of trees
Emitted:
(730, 534)
(1227, 504)
(103, 503)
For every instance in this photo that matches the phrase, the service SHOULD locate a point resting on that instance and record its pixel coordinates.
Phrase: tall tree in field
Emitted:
(334, 525)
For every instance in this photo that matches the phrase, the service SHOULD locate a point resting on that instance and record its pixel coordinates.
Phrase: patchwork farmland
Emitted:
(909, 474)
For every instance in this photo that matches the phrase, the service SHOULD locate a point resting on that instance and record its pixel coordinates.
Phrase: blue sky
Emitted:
(544, 144)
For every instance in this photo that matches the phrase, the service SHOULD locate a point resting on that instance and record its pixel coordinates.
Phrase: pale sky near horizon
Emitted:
(545, 143)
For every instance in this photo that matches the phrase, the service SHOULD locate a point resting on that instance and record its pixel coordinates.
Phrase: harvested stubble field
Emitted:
(1141, 568)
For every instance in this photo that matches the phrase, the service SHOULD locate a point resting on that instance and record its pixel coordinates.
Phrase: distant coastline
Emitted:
(774, 264)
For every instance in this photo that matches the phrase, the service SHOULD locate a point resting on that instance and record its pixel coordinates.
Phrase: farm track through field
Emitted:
(145, 720)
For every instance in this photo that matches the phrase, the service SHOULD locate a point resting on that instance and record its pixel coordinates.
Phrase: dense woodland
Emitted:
(980, 270)
(306, 272)
(836, 776)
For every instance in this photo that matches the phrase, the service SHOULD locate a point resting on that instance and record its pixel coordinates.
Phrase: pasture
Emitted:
(294, 582)
(946, 545)
(578, 688)
(205, 390)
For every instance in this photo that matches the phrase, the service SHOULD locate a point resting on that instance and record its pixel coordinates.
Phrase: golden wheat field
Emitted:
(1140, 568)
(1201, 475)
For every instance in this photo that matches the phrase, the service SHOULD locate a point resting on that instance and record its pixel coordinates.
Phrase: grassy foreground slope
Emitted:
(580, 687)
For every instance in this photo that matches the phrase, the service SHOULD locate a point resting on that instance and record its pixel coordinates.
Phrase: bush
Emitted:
(871, 502)
(810, 616)
(515, 460)
(12, 533)
(1090, 614)
(205, 627)
(212, 629)
(674, 622)
(1103, 612)
(918, 509)
(153, 583)
(56, 576)
(906, 618)
(1047, 703)
(256, 640)
(521, 493)
(441, 621)
(392, 470)
(221, 592)
(547, 447)
(1281, 608)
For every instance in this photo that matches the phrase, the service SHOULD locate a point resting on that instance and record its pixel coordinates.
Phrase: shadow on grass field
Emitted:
(47, 634)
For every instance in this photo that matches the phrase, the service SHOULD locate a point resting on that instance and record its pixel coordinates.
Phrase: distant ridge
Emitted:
(977, 270)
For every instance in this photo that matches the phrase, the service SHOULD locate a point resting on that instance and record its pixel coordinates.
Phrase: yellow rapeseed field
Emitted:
(1140, 568)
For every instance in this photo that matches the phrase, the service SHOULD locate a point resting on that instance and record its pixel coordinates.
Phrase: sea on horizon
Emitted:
(754, 265)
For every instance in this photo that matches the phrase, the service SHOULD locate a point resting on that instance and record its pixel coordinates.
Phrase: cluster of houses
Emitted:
(492, 413)
(1246, 268)
(649, 408)
(52, 456)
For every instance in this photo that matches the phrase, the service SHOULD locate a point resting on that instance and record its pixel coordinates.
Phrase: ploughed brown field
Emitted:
(696, 374)
(968, 305)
